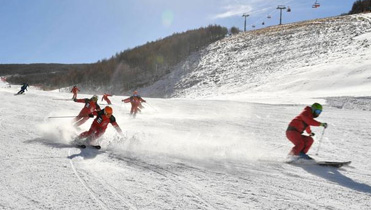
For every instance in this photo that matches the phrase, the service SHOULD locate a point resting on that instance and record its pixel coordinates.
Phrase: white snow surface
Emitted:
(220, 144)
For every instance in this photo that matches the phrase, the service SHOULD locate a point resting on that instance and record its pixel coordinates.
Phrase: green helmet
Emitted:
(316, 109)
(94, 98)
(317, 106)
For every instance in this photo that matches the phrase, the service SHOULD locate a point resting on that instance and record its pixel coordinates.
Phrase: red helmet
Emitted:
(108, 111)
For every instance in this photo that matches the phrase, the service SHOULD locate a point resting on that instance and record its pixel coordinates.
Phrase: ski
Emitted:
(82, 146)
(335, 164)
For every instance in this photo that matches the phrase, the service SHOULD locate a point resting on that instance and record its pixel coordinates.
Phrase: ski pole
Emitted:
(152, 107)
(320, 140)
(60, 99)
(62, 117)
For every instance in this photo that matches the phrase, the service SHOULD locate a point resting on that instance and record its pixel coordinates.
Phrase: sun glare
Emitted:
(167, 18)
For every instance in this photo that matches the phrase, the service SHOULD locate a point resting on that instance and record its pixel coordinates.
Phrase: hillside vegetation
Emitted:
(132, 68)
(36, 74)
(361, 6)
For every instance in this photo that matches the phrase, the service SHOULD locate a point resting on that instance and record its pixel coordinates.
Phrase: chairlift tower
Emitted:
(281, 7)
(245, 15)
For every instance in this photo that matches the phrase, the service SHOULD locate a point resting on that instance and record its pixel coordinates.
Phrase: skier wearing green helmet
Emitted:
(297, 126)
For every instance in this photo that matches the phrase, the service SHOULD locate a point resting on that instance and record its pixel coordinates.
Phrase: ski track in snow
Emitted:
(101, 204)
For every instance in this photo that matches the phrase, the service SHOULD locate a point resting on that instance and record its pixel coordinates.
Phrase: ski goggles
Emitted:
(317, 111)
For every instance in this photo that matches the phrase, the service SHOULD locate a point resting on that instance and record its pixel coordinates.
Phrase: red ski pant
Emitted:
(302, 143)
(81, 118)
(94, 133)
(134, 109)
(108, 101)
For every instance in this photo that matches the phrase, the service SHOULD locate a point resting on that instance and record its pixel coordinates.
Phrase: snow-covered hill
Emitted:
(196, 152)
(324, 57)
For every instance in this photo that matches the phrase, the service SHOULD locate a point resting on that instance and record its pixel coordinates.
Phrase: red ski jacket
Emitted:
(303, 121)
(135, 100)
(105, 97)
(74, 90)
(101, 121)
(90, 106)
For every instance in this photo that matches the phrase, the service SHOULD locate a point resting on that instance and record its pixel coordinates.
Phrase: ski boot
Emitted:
(304, 156)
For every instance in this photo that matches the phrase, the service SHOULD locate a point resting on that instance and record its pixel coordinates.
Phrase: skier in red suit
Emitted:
(136, 103)
(86, 112)
(74, 91)
(105, 97)
(99, 126)
(297, 126)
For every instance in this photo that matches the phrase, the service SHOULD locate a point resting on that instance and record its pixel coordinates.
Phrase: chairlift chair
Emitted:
(316, 5)
(269, 16)
(288, 9)
(253, 26)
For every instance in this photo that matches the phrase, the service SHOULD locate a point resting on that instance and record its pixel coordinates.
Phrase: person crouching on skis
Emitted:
(136, 103)
(23, 88)
(297, 126)
(90, 106)
(99, 126)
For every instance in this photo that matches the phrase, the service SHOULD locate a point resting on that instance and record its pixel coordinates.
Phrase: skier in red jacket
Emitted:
(136, 103)
(74, 91)
(298, 125)
(105, 97)
(86, 112)
(99, 126)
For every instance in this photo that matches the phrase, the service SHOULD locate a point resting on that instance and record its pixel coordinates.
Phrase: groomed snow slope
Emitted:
(177, 154)
(203, 153)
(324, 57)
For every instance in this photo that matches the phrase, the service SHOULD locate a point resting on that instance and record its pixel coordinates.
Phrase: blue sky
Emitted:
(85, 31)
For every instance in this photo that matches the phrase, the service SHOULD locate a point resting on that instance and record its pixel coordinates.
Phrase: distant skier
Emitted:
(136, 103)
(74, 91)
(296, 128)
(86, 112)
(23, 88)
(98, 127)
(105, 97)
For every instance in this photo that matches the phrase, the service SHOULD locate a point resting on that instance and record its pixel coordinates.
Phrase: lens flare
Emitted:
(167, 18)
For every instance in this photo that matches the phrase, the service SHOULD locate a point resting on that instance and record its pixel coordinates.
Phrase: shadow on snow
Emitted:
(332, 174)
(87, 153)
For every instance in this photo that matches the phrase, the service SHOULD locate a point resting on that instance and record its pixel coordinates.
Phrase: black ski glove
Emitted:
(324, 125)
